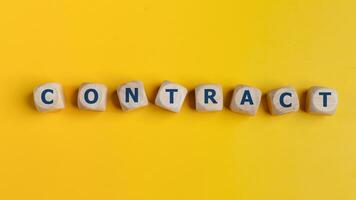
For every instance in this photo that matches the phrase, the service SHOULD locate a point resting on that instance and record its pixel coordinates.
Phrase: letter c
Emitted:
(43, 96)
(281, 100)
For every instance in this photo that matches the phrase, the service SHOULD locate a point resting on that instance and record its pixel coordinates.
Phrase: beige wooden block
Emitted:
(321, 100)
(92, 96)
(245, 100)
(48, 97)
(132, 95)
(208, 97)
(283, 100)
(170, 96)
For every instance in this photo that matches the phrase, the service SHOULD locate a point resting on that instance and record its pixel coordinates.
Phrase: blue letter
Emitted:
(281, 98)
(246, 97)
(128, 92)
(325, 98)
(171, 94)
(86, 96)
(43, 96)
(211, 96)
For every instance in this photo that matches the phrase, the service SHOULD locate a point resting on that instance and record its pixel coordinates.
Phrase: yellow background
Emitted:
(158, 155)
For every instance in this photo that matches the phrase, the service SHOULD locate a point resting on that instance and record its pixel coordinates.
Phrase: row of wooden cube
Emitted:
(170, 96)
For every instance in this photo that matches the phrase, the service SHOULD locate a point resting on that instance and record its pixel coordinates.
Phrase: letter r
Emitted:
(209, 94)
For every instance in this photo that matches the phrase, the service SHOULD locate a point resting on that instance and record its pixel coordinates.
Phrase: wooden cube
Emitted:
(92, 96)
(132, 95)
(245, 100)
(208, 97)
(321, 100)
(283, 100)
(171, 96)
(48, 97)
